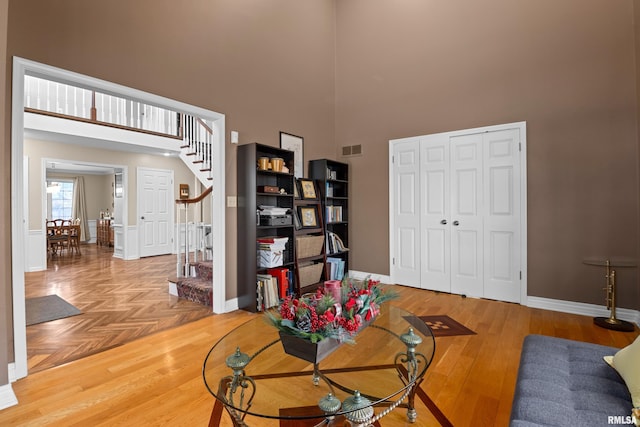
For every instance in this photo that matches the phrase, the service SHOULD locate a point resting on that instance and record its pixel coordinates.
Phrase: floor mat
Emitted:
(443, 326)
(48, 308)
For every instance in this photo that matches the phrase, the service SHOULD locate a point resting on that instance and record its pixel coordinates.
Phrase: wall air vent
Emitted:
(352, 150)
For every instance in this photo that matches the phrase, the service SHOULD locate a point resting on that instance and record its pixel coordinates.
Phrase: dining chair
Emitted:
(57, 238)
(74, 236)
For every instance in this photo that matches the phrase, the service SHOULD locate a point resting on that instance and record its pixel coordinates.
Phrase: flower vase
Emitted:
(306, 350)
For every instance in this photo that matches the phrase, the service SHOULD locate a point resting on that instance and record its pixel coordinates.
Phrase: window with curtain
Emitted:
(60, 199)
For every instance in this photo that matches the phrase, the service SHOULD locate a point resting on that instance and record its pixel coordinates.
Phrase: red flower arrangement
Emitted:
(318, 316)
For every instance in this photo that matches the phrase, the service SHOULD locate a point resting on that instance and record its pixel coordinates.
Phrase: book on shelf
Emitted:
(331, 174)
(273, 241)
(335, 243)
(282, 277)
(333, 213)
(329, 190)
(292, 287)
(267, 286)
(336, 268)
(259, 295)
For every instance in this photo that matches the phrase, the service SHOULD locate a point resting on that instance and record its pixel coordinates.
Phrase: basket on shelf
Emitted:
(310, 274)
(308, 246)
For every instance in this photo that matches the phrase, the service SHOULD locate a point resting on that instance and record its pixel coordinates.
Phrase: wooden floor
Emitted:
(120, 301)
(156, 380)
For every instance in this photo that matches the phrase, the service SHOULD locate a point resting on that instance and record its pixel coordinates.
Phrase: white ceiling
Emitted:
(78, 168)
(87, 168)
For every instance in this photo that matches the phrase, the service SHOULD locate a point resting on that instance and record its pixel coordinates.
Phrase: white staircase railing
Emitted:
(66, 101)
(193, 238)
(196, 150)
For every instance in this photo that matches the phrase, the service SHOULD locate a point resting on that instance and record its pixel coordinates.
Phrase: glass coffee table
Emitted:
(249, 373)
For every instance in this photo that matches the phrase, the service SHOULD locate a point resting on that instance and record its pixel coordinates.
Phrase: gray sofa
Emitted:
(567, 383)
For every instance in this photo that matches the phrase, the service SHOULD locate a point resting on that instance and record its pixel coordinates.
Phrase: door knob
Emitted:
(456, 223)
(443, 222)
(141, 217)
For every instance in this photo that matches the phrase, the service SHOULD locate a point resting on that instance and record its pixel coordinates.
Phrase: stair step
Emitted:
(205, 170)
(204, 270)
(196, 290)
(191, 154)
(198, 161)
(185, 146)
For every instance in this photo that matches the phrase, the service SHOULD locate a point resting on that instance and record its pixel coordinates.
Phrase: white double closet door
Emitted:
(457, 205)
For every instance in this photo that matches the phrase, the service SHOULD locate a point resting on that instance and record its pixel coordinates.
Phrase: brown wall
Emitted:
(636, 20)
(368, 71)
(566, 68)
(268, 66)
(6, 322)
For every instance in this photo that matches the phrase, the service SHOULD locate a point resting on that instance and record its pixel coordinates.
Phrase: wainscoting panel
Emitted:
(36, 251)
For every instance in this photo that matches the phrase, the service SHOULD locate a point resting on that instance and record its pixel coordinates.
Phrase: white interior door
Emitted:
(405, 266)
(435, 231)
(155, 213)
(471, 223)
(502, 260)
(466, 215)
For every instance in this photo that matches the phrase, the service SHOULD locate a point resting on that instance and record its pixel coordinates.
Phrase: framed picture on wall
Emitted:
(184, 191)
(294, 143)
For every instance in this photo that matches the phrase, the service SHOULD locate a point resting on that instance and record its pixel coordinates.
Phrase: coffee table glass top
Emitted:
(274, 384)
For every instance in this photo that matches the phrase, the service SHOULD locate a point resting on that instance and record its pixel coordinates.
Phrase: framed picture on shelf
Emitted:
(308, 216)
(308, 189)
(294, 143)
(296, 220)
(296, 193)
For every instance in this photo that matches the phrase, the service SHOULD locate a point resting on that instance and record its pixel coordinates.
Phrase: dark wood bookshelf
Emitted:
(303, 286)
(332, 178)
(250, 179)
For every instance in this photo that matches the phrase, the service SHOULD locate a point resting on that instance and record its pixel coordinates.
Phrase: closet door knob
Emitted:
(443, 222)
(456, 223)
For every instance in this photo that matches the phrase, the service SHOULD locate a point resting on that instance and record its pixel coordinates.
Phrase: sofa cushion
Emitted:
(564, 382)
(627, 363)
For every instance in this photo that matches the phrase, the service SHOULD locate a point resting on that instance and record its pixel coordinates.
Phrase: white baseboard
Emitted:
(544, 303)
(7, 397)
(363, 275)
(13, 377)
(231, 305)
(582, 308)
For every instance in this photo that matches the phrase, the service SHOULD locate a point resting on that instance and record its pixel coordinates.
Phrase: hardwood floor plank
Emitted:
(156, 380)
(120, 301)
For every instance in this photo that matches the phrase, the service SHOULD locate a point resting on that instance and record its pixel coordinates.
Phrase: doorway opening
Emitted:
(20, 208)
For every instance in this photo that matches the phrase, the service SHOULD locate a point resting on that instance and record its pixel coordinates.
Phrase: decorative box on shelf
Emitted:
(310, 274)
(271, 251)
(309, 245)
(275, 220)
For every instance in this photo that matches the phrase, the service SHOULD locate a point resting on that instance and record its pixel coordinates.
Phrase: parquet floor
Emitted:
(156, 380)
(120, 302)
